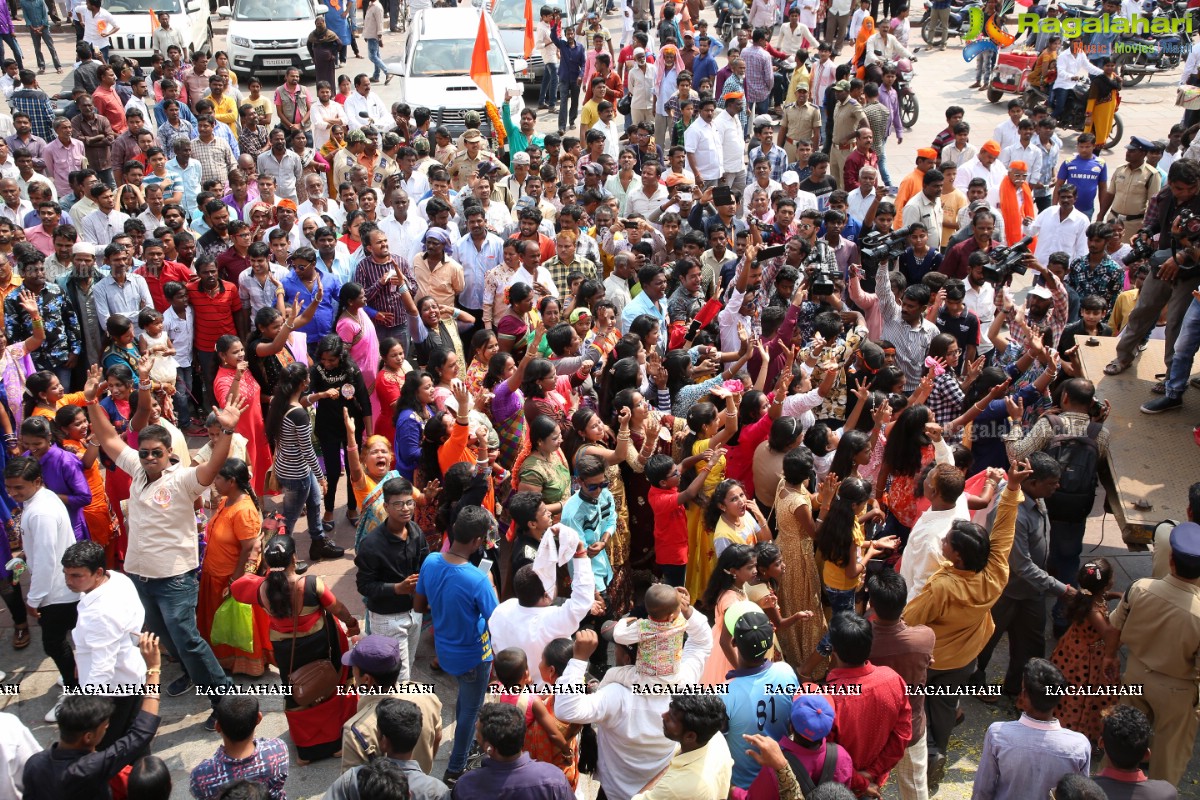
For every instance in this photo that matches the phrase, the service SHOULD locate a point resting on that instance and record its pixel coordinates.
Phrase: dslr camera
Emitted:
(1007, 261)
(1142, 251)
(876, 246)
(821, 282)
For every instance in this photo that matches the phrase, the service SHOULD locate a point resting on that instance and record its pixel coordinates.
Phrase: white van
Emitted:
(267, 37)
(134, 18)
(435, 72)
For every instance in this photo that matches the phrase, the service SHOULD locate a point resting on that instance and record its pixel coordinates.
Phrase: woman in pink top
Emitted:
(355, 328)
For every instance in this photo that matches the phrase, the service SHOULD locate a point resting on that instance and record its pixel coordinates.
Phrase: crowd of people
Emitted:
(717, 450)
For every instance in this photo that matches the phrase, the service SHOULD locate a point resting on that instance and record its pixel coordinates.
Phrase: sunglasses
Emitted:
(595, 487)
(157, 452)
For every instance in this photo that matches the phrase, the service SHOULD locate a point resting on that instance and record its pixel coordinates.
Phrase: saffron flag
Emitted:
(481, 73)
(528, 28)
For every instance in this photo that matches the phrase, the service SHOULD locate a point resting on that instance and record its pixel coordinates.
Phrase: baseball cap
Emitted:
(842, 86)
(674, 179)
(763, 119)
(594, 169)
(374, 653)
(356, 137)
(1042, 292)
(753, 634)
(520, 158)
(812, 716)
(580, 313)
(790, 178)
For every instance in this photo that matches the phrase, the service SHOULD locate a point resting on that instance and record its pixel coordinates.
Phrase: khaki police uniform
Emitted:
(360, 733)
(1131, 190)
(462, 167)
(799, 122)
(1159, 622)
(848, 117)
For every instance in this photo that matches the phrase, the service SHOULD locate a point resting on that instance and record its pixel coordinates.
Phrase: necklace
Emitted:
(331, 379)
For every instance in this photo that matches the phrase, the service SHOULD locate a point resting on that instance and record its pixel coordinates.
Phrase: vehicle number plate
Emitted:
(277, 62)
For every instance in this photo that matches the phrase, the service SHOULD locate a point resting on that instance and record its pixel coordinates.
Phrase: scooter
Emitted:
(959, 22)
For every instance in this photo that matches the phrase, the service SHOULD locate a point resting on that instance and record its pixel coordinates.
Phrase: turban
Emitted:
(1019, 166)
(991, 147)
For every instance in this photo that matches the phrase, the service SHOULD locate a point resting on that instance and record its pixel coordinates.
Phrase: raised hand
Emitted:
(1017, 473)
(28, 301)
(882, 414)
(91, 388)
(144, 365)
(349, 422)
(228, 416)
(974, 368)
(461, 396)
(1016, 408)
(623, 417)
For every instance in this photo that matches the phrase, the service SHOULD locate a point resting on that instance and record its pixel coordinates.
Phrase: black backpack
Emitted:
(1079, 459)
(807, 785)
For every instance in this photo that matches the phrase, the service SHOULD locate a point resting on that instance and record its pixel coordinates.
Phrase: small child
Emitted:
(155, 342)
(555, 657)
(659, 637)
(512, 673)
(856, 21)
(823, 443)
(919, 259)
(670, 510)
(178, 327)
(1127, 300)
(1092, 311)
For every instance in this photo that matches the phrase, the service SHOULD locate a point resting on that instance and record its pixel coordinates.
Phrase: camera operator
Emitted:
(1174, 268)
(1046, 308)
(905, 325)
(983, 225)
(884, 221)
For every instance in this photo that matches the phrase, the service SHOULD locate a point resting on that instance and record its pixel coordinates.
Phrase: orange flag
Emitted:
(528, 28)
(481, 73)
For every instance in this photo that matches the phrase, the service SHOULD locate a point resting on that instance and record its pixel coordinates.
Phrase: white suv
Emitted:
(436, 66)
(134, 18)
(269, 36)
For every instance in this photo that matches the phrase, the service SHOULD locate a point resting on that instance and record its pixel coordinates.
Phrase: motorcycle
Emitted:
(731, 16)
(1141, 55)
(1074, 114)
(959, 22)
(910, 108)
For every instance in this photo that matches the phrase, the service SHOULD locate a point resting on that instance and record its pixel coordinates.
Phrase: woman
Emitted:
(74, 431)
(545, 470)
(910, 446)
(358, 332)
(414, 409)
(311, 161)
(303, 631)
(1104, 96)
(232, 550)
(44, 395)
(268, 352)
(443, 366)
(684, 393)
(350, 228)
(736, 567)
(941, 365)
(15, 368)
(336, 376)
(325, 48)
(62, 473)
(367, 475)
(800, 587)
(512, 329)
(393, 367)
(130, 199)
(122, 408)
(483, 347)
(233, 380)
(547, 393)
(733, 518)
(756, 416)
(440, 336)
(504, 380)
(122, 350)
(345, 87)
(787, 433)
(706, 431)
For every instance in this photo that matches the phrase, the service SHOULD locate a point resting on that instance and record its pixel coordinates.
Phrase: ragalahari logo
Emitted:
(983, 34)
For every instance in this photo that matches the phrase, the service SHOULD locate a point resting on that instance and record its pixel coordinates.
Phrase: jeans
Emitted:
(11, 40)
(38, 38)
(57, 622)
(884, 175)
(1186, 345)
(1058, 101)
(405, 628)
(472, 689)
(64, 376)
(986, 63)
(393, 10)
(568, 90)
(182, 399)
(11, 594)
(1066, 544)
(373, 55)
(302, 495)
(170, 605)
(839, 600)
(1176, 296)
(548, 96)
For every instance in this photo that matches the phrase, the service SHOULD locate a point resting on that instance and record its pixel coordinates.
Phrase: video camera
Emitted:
(1006, 261)
(876, 246)
(821, 282)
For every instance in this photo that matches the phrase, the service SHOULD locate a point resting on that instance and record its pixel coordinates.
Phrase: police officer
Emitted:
(1130, 188)
(345, 159)
(801, 122)
(375, 660)
(1159, 621)
(465, 165)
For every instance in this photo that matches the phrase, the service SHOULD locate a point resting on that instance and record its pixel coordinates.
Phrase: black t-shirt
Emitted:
(964, 329)
(821, 188)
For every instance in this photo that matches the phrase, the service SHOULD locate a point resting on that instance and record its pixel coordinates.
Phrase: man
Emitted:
(501, 732)
(479, 252)
(1088, 174)
(907, 649)
(1027, 757)
(652, 300)
(125, 147)
(100, 226)
(400, 729)
(318, 201)
(1021, 609)
(78, 286)
(640, 79)
(215, 304)
(702, 143)
(157, 272)
(25, 138)
(59, 352)
(465, 165)
(15, 207)
(242, 756)
(366, 109)
(875, 726)
(943, 486)
(848, 117)
(405, 231)
(700, 766)
(926, 206)
(861, 156)
(121, 292)
(986, 165)
(107, 102)
(165, 36)
(48, 534)
(216, 240)
(1126, 745)
(905, 325)
(728, 127)
(1130, 188)
(97, 136)
(801, 122)
(212, 153)
(35, 104)
(162, 557)
(1095, 272)
(284, 166)
(310, 284)
(616, 285)
(42, 236)
(572, 58)
(1061, 228)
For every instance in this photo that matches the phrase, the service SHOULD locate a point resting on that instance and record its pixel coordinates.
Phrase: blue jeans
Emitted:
(170, 605)
(301, 496)
(373, 55)
(472, 689)
(1186, 345)
(1058, 101)
(182, 398)
(11, 40)
(839, 600)
(548, 96)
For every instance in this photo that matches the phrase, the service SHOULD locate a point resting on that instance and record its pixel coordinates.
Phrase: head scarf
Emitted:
(441, 235)
(660, 67)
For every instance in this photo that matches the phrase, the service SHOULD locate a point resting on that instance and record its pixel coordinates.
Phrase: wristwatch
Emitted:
(227, 431)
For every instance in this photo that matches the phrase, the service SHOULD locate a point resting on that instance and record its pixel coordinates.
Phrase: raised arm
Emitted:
(29, 302)
(102, 428)
(227, 418)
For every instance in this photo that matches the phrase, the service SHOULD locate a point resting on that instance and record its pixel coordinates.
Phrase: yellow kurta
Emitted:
(701, 557)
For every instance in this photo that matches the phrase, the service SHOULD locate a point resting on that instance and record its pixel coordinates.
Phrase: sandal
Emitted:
(21, 637)
(328, 525)
(1116, 367)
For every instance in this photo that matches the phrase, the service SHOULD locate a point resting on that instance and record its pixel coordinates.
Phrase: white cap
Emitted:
(84, 247)
(1042, 292)
(638, 51)
(790, 177)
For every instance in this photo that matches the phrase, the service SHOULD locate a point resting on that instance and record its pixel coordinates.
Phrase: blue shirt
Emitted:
(759, 700)
(460, 600)
(188, 178)
(592, 521)
(322, 321)
(704, 67)
(477, 262)
(185, 113)
(340, 269)
(644, 305)
(1086, 177)
(571, 59)
(1026, 757)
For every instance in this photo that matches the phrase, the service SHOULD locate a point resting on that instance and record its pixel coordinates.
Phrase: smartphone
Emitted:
(774, 251)
(485, 566)
(722, 196)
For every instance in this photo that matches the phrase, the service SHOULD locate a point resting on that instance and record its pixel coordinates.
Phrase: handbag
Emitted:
(271, 483)
(317, 681)
(233, 624)
(625, 104)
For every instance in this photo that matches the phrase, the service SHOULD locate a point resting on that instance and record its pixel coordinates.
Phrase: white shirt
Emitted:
(1190, 66)
(733, 142)
(731, 317)
(859, 205)
(958, 157)
(1006, 134)
(416, 185)
(1055, 234)
(48, 534)
(151, 122)
(923, 554)
(180, 332)
(641, 86)
(1030, 155)
(16, 746)
(981, 303)
(531, 629)
(806, 201)
(702, 141)
(616, 291)
(128, 299)
(405, 239)
(545, 44)
(792, 41)
(1071, 65)
(771, 188)
(295, 236)
(808, 12)
(323, 116)
(110, 619)
(975, 169)
(377, 114)
(100, 228)
(612, 136)
(631, 747)
(636, 201)
(96, 27)
(892, 49)
(16, 215)
(332, 209)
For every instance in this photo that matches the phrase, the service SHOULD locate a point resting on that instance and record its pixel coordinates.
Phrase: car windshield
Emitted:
(141, 6)
(262, 10)
(511, 13)
(451, 57)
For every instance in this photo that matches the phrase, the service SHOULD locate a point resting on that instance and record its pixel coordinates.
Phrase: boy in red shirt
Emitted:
(670, 513)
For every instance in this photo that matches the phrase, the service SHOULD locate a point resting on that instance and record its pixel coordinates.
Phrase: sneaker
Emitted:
(52, 714)
(180, 685)
(210, 724)
(1160, 404)
(323, 549)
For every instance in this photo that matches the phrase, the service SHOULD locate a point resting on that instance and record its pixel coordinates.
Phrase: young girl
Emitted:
(736, 566)
(388, 381)
(707, 430)
(853, 452)
(336, 376)
(1080, 652)
(358, 332)
(762, 591)
(74, 436)
(733, 518)
(823, 444)
(122, 350)
(155, 342)
(483, 346)
(512, 675)
(842, 543)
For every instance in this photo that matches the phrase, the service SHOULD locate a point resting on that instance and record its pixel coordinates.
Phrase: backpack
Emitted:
(1079, 459)
(807, 785)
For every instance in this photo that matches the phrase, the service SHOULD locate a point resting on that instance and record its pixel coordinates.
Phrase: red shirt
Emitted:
(230, 265)
(171, 271)
(108, 104)
(214, 315)
(739, 459)
(670, 527)
(874, 727)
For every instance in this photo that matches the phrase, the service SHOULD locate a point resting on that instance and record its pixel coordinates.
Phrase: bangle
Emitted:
(155, 671)
(463, 420)
(352, 449)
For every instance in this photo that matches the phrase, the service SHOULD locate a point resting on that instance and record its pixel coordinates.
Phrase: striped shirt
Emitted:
(911, 343)
(295, 458)
(214, 315)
